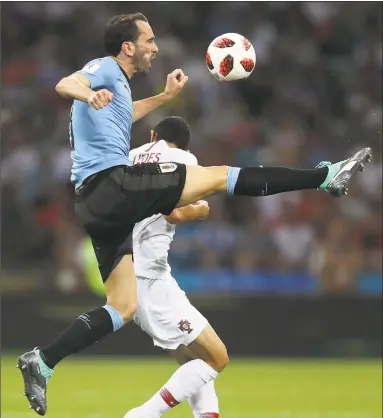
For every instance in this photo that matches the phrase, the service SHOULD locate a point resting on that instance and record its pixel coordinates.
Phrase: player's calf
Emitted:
(204, 403)
(208, 358)
(185, 382)
(37, 366)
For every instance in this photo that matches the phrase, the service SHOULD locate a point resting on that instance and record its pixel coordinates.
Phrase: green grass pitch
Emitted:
(107, 388)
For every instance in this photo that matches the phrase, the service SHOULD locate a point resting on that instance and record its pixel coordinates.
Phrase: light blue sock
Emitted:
(232, 177)
(117, 320)
(333, 169)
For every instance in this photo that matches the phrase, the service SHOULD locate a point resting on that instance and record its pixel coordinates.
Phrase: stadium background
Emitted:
(292, 275)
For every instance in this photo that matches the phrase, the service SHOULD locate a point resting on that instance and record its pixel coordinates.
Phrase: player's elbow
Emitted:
(61, 87)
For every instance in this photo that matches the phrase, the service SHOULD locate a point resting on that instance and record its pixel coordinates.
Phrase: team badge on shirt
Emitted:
(185, 326)
(91, 68)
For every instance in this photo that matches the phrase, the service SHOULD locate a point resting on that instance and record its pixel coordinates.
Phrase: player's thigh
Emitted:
(202, 182)
(207, 347)
(113, 251)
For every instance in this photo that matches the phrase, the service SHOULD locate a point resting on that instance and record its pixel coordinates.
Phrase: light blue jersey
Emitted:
(100, 139)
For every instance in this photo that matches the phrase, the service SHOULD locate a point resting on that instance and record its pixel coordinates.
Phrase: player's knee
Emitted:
(218, 175)
(220, 360)
(202, 182)
(223, 360)
(126, 310)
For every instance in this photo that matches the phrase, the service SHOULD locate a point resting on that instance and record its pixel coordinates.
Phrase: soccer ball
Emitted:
(230, 57)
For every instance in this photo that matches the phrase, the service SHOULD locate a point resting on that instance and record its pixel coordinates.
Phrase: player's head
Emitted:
(174, 130)
(130, 36)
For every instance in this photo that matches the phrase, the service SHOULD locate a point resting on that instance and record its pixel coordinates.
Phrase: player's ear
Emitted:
(128, 48)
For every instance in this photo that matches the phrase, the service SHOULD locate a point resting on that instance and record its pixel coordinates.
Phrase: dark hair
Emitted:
(120, 29)
(175, 130)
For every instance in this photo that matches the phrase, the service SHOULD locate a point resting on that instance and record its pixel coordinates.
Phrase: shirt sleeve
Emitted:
(191, 159)
(100, 74)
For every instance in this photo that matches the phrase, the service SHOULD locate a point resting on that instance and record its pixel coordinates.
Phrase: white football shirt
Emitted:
(152, 236)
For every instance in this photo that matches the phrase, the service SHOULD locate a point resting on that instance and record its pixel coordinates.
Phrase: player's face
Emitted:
(146, 48)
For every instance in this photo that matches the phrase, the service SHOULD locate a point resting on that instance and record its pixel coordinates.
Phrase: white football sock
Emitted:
(185, 382)
(204, 403)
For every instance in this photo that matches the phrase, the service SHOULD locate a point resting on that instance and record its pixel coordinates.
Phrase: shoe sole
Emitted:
(23, 366)
(361, 158)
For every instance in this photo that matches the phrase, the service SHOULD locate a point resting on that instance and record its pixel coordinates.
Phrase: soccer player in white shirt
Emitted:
(164, 312)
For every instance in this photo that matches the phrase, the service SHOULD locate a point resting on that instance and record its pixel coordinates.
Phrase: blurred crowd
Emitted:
(316, 94)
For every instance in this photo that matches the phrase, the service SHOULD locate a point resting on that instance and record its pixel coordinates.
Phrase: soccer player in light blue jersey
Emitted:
(112, 195)
(103, 110)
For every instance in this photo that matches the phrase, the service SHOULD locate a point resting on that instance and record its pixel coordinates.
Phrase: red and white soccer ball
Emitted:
(230, 57)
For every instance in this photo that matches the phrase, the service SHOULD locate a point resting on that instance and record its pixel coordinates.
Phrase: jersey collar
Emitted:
(123, 72)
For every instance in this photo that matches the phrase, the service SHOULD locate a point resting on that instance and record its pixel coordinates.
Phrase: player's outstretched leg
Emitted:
(209, 359)
(37, 366)
(264, 181)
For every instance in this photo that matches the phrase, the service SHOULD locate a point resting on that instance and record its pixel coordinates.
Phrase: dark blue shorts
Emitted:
(111, 202)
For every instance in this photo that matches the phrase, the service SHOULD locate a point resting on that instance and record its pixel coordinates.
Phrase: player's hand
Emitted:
(203, 209)
(197, 211)
(175, 83)
(99, 99)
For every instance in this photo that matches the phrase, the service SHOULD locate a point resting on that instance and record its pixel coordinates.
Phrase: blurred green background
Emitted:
(106, 388)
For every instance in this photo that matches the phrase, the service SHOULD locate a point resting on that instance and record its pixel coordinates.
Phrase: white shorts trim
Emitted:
(165, 313)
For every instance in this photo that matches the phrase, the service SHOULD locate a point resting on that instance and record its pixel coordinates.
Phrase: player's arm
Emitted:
(142, 107)
(77, 87)
(195, 212)
(174, 84)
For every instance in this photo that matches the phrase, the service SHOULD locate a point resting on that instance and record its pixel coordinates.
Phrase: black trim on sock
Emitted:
(265, 181)
(87, 329)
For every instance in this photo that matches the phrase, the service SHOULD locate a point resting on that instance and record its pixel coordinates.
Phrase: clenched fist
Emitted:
(100, 99)
(175, 83)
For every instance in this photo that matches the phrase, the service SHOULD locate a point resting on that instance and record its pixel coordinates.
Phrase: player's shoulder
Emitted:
(139, 150)
(181, 156)
(100, 64)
